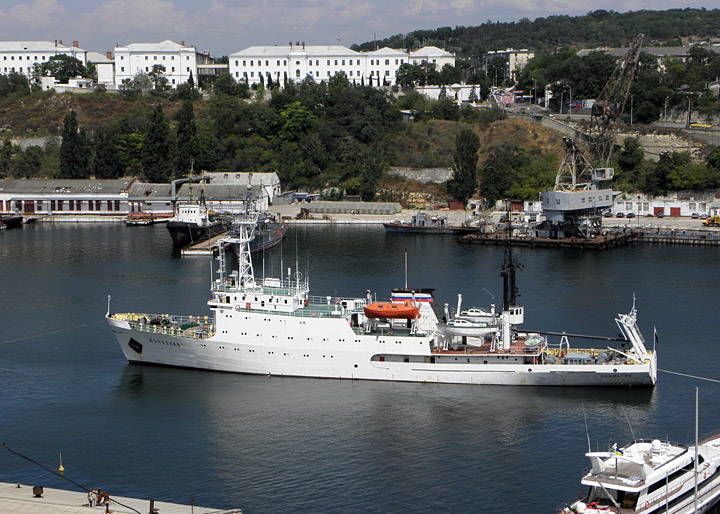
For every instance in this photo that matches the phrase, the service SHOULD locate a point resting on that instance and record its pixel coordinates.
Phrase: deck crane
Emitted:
(610, 105)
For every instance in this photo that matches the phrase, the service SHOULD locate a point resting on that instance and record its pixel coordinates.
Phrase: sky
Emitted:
(226, 26)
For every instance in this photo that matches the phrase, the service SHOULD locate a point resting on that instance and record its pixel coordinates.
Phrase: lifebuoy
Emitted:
(237, 307)
(314, 313)
(338, 300)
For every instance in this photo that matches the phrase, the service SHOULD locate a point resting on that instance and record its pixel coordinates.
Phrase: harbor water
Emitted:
(268, 444)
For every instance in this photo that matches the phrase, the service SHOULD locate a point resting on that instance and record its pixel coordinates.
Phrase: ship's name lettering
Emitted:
(162, 341)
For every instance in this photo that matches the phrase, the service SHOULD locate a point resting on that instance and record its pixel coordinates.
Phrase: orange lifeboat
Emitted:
(392, 310)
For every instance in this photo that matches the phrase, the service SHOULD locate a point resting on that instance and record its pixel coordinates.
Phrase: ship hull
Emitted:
(368, 358)
(413, 229)
(184, 234)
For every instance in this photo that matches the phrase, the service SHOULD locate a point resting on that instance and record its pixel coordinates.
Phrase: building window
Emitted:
(187, 58)
(146, 57)
(351, 73)
(252, 73)
(237, 74)
(372, 61)
(328, 62)
(155, 58)
(343, 62)
(187, 69)
(122, 68)
(335, 62)
(251, 63)
(358, 63)
(284, 62)
(297, 63)
(387, 62)
(267, 63)
(278, 62)
(387, 73)
(244, 63)
(173, 69)
(147, 69)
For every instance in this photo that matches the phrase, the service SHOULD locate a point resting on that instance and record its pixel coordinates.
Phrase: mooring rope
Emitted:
(52, 332)
(690, 376)
(3, 445)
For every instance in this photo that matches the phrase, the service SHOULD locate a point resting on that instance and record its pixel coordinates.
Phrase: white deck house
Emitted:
(20, 56)
(179, 61)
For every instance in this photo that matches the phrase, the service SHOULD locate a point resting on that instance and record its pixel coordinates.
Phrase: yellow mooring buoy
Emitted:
(61, 469)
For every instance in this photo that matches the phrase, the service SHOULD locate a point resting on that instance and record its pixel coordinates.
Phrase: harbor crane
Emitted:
(610, 105)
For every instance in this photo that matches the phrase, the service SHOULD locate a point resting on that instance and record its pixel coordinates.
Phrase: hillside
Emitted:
(42, 114)
(597, 28)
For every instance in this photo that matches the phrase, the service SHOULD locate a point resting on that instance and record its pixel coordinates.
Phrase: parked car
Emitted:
(649, 215)
(620, 215)
(607, 214)
(661, 214)
(630, 214)
(695, 215)
(703, 216)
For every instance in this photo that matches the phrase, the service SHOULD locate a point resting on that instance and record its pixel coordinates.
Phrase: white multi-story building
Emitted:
(20, 56)
(383, 64)
(298, 61)
(432, 55)
(178, 60)
(514, 60)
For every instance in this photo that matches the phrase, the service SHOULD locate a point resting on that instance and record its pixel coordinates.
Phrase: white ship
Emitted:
(653, 476)
(274, 326)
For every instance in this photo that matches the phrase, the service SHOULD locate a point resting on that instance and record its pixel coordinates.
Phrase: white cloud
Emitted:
(36, 17)
(155, 20)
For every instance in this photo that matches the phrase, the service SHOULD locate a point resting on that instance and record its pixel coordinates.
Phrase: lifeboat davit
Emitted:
(392, 310)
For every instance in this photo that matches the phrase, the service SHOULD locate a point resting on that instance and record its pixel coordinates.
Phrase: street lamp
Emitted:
(666, 99)
(570, 100)
(631, 109)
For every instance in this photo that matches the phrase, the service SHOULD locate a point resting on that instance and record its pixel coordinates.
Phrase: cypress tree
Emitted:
(75, 149)
(156, 147)
(464, 182)
(187, 141)
(108, 163)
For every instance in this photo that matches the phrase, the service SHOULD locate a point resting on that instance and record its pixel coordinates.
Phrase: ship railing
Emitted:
(560, 352)
(336, 300)
(285, 287)
(197, 327)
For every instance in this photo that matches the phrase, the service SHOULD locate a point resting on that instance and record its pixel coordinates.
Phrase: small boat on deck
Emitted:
(471, 328)
(392, 310)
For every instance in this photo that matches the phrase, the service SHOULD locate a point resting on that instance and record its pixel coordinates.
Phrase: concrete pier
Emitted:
(19, 499)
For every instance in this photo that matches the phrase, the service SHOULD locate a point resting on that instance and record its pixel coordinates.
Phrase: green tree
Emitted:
(225, 84)
(63, 67)
(14, 83)
(371, 174)
(28, 162)
(158, 78)
(141, 82)
(187, 140)
(75, 151)
(297, 119)
(6, 158)
(156, 148)
(108, 161)
(631, 155)
(464, 182)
